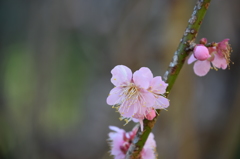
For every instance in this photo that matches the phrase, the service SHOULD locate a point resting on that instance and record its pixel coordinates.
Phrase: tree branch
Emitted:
(172, 72)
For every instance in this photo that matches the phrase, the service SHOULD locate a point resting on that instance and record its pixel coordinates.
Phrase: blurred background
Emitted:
(56, 58)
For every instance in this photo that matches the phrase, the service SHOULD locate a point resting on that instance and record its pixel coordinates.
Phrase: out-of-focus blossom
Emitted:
(137, 94)
(219, 58)
(120, 142)
(203, 41)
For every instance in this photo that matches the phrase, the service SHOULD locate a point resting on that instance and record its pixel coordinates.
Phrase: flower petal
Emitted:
(135, 120)
(191, 59)
(148, 153)
(150, 143)
(158, 85)
(220, 62)
(114, 96)
(116, 129)
(201, 68)
(128, 109)
(140, 114)
(121, 75)
(142, 77)
(161, 102)
(147, 99)
(149, 148)
(117, 140)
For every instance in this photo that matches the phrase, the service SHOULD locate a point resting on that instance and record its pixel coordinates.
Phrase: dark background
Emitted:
(56, 58)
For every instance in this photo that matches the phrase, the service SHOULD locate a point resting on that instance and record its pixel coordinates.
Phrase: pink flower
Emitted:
(120, 142)
(219, 58)
(149, 149)
(136, 95)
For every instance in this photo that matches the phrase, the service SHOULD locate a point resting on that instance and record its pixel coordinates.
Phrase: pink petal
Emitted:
(121, 75)
(220, 62)
(141, 113)
(114, 128)
(201, 68)
(135, 120)
(146, 72)
(116, 151)
(150, 141)
(148, 149)
(120, 156)
(158, 85)
(161, 102)
(148, 153)
(147, 98)
(117, 140)
(191, 59)
(128, 109)
(142, 77)
(114, 96)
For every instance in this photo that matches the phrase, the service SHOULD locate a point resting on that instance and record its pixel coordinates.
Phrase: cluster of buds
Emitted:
(217, 54)
(120, 142)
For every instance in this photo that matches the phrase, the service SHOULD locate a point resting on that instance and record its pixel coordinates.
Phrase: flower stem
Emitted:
(172, 72)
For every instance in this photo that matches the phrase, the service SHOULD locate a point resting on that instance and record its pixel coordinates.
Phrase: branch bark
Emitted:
(172, 72)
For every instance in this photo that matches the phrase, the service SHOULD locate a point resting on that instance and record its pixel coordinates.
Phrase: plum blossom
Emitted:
(219, 57)
(136, 95)
(120, 142)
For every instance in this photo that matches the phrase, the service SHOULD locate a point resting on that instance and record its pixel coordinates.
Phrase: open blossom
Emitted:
(219, 58)
(120, 142)
(137, 94)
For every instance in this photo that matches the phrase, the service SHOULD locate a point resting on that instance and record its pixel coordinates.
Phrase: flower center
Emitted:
(131, 92)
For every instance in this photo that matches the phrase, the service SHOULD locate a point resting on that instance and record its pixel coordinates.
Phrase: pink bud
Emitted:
(203, 41)
(201, 52)
(151, 115)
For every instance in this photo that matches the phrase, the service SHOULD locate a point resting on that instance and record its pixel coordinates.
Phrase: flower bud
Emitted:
(151, 115)
(203, 41)
(201, 52)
